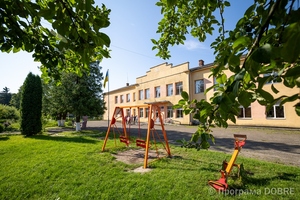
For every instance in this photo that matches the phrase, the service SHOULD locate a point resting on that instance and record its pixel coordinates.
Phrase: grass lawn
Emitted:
(72, 166)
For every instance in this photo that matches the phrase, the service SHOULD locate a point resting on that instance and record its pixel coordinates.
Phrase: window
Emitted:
(157, 92)
(245, 112)
(134, 96)
(169, 89)
(141, 112)
(169, 112)
(147, 112)
(147, 93)
(141, 95)
(127, 97)
(116, 99)
(178, 88)
(199, 86)
(276, 111)
(122, 98)
(179, 113)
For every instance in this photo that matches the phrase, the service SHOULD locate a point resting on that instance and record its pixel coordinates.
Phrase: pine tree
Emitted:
(31, 105)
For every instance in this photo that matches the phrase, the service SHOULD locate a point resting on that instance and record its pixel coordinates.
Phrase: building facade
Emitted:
(164, 83)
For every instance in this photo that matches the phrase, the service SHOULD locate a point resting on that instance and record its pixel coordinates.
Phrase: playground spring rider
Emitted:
(221, 184)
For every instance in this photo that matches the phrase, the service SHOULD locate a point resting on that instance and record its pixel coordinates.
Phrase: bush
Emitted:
(31, 105)
(1, 128)
(8, 112)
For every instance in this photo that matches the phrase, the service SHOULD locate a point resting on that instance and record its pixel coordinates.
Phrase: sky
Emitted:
(133, 24)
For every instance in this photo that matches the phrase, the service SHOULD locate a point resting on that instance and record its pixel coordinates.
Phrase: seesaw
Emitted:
(221, 184)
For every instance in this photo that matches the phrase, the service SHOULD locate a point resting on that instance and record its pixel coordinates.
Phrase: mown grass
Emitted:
(71, 166)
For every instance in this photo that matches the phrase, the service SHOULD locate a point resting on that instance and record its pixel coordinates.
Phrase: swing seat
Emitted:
(124, 140)
(141, 143)
(219, 185)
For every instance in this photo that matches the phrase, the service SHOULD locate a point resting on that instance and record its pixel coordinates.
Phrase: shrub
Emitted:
(31, 105)
(8, 112)
(1, 128)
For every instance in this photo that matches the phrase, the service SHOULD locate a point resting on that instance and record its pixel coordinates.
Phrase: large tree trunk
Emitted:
(58, 118)
(63, 120)
(84, 123)
(78, 127)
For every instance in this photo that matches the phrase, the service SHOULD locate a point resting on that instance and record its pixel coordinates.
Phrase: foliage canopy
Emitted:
(63, 35)
(264, 41)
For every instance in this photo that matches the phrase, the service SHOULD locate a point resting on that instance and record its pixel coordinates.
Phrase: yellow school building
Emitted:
(163, 85)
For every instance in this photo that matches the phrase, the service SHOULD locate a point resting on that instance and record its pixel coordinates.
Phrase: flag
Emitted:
(105, 79)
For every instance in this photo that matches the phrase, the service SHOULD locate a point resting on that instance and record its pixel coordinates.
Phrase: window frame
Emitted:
(178, 88)
(157, 91)
(199, 80)
(141, 94)
(170, 112)
(244, 113)
(179, 113)
(171, 88)
(147, 93)
(128, 97)
(277, 105)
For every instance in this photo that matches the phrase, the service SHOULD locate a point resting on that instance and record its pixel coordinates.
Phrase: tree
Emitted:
(59, 33)
(5, 96)
(54, 104)
(78, 95)
(265, 41)
(31, 105)
(85, 93)
(16, 99)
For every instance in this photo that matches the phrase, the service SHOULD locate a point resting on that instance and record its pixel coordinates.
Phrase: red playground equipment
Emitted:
(221, 184)
(154, 112)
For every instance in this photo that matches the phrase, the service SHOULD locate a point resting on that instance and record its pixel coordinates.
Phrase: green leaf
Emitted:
(222, 79)
(291, 50)
(245, 98)
(171, 3)
(262, 54)
(289, 99)
(274, 89)
(185, 95)
(234, 60)
(226, 3)
(241, 42)
(266, 95)
(293, 71)
(297, 109)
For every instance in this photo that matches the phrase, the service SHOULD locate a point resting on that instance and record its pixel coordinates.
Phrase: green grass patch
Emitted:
(72, 166)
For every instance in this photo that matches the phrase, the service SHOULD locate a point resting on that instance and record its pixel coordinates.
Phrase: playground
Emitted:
(73, 166)
(277, 145)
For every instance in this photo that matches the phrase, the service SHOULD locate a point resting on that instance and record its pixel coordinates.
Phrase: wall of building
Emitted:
(167, 74)
(158, 76)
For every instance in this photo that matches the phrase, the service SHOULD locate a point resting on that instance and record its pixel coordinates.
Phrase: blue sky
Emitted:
(133, 25)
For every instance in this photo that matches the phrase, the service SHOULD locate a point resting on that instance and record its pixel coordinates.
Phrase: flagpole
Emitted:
(108, 99)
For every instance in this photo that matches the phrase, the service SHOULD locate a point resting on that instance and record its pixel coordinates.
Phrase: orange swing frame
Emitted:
(139, 142)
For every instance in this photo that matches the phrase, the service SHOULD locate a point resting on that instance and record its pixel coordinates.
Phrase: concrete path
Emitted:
(271, 144)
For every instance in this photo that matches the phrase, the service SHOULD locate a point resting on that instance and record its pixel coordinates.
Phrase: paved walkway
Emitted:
(271, 144)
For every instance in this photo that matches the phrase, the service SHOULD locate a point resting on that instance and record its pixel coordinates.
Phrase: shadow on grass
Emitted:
(64, 139)
(4, 138)
(246, 181)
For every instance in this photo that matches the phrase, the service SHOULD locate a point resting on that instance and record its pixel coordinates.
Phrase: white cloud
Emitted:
(193, 44)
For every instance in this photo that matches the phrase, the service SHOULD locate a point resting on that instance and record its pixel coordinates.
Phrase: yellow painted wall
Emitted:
(164, 74)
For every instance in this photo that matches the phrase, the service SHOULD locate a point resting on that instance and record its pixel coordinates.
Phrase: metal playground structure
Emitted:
(154, 114)
(221, 184)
